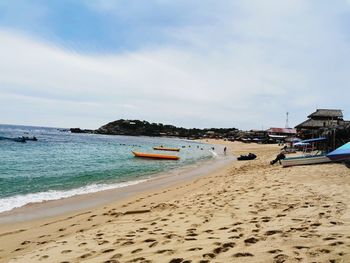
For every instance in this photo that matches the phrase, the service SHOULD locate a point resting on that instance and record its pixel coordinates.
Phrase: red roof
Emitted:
(282, 130)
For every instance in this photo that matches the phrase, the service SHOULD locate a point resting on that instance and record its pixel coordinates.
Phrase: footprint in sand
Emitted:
(127, 243)
(242, 254)
(234, 237)
(224, 248)
(274, 251)
(140, 259)
(337, 243)
(86, 255)
(195, 249)
(209, 255)
(117, 256)
(301, 247)
(42, 243)
(251, 240)
(153, 244)
(108, 250)
(272, 232)
(168, 251)
(103, 242)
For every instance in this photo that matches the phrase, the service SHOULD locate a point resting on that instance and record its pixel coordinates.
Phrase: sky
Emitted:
(190, 63)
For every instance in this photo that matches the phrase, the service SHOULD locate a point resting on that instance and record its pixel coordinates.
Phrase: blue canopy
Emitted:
(314, 140)
(340, 154)
(301, 144)
(307, 142)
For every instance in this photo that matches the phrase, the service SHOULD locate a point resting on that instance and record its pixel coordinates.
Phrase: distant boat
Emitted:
(161, 148)
(156, 156)
(29, 138)
(18, 139)
(305, 160)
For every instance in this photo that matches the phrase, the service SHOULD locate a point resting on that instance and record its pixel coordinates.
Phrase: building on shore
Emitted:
(327, 123)
(320, 121)
(280, 134)
(257, 136)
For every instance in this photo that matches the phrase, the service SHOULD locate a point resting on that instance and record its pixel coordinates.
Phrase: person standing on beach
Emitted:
(225, 150)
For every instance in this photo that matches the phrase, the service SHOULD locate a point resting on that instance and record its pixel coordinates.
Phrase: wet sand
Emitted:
(244, 212)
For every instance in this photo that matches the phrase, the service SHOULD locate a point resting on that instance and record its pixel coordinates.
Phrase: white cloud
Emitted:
(243, 71)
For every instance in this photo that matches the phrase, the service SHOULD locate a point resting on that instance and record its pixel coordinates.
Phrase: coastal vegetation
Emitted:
(327, 123)
(145, 128)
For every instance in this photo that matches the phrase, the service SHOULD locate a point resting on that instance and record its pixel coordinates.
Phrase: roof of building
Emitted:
(310, 123)
(326, 113)
(282, 130)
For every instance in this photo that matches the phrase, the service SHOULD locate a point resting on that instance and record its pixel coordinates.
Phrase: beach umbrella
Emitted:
(340, 154)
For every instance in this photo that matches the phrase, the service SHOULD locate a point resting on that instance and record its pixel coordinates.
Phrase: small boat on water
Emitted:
(305, 160)
(29, 138)
(18, 139)
(161, 148)
(156, 156)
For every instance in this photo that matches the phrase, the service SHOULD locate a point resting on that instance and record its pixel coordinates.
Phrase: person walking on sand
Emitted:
(225, 150)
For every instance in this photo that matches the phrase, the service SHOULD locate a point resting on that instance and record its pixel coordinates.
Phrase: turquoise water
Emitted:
(62, 164)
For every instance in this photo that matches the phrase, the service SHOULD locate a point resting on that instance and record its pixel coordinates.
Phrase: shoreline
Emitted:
(76, 203)
(244, 212)
(109, 167)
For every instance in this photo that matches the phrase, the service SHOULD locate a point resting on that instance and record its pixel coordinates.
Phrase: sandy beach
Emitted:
(242, 212)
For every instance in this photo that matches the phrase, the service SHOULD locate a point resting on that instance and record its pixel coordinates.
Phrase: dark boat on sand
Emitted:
(250, 156)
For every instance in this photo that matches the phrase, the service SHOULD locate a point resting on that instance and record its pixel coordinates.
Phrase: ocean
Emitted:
(62, 164)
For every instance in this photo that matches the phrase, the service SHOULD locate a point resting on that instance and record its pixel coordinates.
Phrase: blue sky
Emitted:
(222, 63)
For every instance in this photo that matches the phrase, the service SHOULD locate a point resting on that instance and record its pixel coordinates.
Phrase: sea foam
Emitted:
(9, 203)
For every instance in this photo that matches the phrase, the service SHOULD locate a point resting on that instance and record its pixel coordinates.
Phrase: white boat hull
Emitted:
(305, 160)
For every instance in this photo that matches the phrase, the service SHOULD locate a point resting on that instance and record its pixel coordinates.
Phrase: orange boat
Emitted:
(156, 156)
(161, 148)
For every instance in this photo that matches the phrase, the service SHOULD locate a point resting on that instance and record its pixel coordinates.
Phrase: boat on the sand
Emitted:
(162, 148)
(305, 160)
(341, 154)
(250, 156)
(156, 156)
